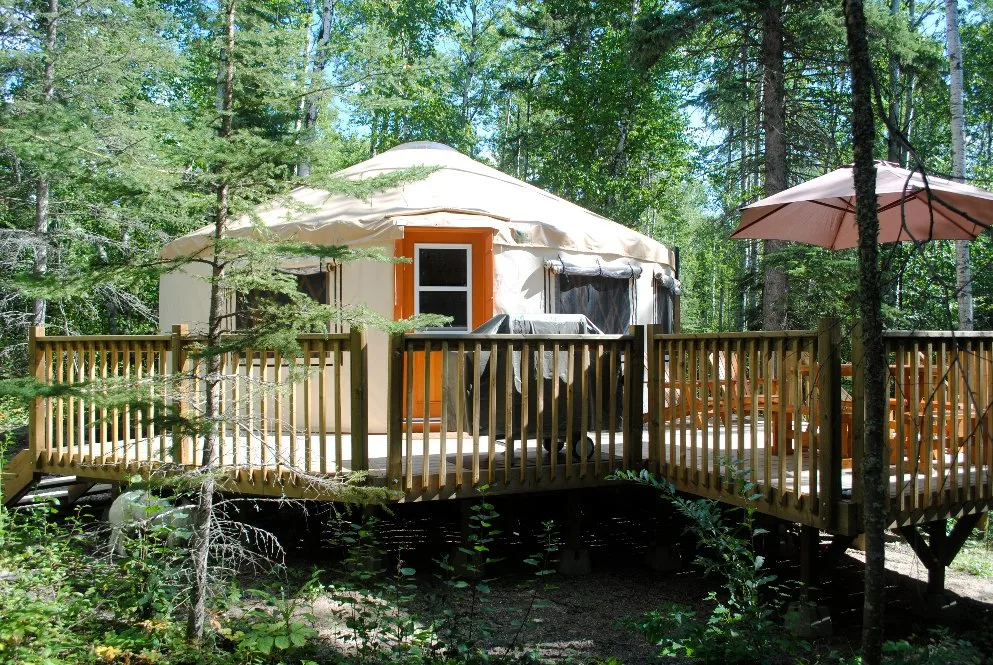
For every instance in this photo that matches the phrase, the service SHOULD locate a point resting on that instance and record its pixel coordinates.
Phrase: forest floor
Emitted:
(581, 619)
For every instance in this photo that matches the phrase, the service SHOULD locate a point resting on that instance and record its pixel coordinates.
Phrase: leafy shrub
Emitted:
(741, 627)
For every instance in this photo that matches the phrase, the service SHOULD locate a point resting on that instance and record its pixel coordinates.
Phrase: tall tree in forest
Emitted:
(316, 59)
(870, 310)
(774, 292)
(576, 120)
(202, 536)
(662, 31)
(963, 267)
(83, 120)
(49, 20)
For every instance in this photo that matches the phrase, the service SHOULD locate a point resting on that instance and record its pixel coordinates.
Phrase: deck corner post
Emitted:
(653, 409)
(829, 395)
(636, 407)
(359, 380)
(858, 411)
(182, 443)
(394, 413)
(36, 417)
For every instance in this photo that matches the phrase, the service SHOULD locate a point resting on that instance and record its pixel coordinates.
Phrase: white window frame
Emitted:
(467, 289)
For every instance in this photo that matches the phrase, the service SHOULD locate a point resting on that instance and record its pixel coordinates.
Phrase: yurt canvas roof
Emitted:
(461, 192)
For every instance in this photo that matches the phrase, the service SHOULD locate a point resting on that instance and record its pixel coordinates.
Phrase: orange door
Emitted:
(450, 272)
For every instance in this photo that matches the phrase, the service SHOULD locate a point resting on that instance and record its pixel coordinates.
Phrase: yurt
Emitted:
(480, 243)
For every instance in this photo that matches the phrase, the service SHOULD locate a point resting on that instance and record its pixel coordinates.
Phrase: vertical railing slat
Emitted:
(460, 416)
(443, 430)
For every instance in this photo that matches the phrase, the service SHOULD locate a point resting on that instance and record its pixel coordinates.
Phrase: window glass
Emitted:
(442, 266)
(663, 307)
(247, 305)
(606, 301)
(446, 303)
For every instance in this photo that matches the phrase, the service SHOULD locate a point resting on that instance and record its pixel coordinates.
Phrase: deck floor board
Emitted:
(277, 458)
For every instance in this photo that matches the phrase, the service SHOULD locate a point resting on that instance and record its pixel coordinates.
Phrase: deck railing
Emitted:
(128, 402)
(940, 420)
(757, 408)
(539, 412)
(474, 409)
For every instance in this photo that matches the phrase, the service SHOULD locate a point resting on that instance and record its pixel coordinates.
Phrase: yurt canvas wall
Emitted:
(532, 239)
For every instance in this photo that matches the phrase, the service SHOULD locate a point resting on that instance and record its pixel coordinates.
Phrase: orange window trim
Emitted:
(482, 268)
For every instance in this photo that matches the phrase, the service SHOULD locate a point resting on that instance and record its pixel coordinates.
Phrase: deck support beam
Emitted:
(575, 558)
(941, 548)
(805, 617)
(810, 541)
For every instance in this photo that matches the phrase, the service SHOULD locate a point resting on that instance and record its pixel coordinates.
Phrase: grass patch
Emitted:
(976, 556)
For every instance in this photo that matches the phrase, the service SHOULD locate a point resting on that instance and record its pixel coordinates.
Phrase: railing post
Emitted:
(181, 443)
(829, 397)
(359, 380)
(858, 412)
(653, 408)
(36, 417)
(394, 413)
(633, 425)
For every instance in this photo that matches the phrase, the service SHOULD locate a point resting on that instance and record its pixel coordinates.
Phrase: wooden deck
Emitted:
(452, 474)
(703, 411)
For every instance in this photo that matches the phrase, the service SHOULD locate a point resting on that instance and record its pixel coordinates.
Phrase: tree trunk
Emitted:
(893, 146)
(50, 21)
(202, 530)
(312, 104)
(963, 267)
(619, 161)
(470, 74)
(874, 362)
(774, 291)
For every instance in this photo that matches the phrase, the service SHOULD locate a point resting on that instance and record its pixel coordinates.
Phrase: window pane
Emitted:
(443, 267)
(605, 301)
(447, 303)
(314, 285)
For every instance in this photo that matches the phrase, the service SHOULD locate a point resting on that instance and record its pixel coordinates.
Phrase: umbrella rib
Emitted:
(848, 206)
(840, 220)
(756, 221)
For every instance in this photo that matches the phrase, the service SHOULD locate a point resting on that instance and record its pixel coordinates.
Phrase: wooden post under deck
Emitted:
(810, 540)
(359, 380)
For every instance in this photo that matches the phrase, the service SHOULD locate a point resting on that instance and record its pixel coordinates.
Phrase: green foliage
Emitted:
(576, 119)
(741, 627)
(543, 563)
(464, 597)
(976, 555)
(377, 600)
(280, 628)
(942, 647)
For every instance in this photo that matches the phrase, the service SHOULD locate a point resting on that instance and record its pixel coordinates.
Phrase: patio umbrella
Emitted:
(822, 211)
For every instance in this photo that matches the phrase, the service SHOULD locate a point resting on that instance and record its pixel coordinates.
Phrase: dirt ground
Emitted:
(579, 621)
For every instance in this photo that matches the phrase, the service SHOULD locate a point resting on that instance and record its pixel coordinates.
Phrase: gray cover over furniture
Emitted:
(533, 324)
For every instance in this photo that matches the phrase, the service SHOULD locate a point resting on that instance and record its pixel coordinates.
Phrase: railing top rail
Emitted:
(62, 339)
(938, 334)
(303, 337)
(479, 337)
(756, 334)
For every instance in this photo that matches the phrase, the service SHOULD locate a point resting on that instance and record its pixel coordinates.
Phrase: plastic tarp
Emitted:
(459, 193)
(618, 269)
(534, 324)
